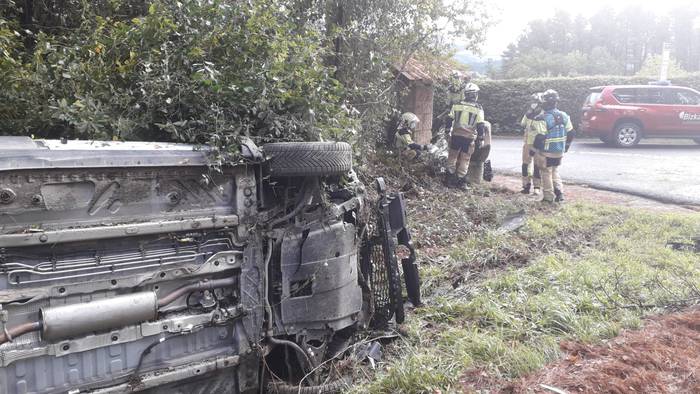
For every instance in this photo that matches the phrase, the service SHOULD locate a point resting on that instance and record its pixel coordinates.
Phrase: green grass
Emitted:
(583, 272)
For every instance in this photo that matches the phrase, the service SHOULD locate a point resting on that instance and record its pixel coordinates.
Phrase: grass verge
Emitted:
(500, 303)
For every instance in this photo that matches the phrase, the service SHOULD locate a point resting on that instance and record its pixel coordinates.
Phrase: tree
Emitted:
(491, 70)
(607, 42)
(686, 36)
(601, 62)
(652, 67)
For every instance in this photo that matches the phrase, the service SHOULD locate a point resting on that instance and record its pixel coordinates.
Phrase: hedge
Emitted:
(505, 101)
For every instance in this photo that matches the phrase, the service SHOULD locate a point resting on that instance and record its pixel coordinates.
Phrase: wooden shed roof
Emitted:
(413, 70)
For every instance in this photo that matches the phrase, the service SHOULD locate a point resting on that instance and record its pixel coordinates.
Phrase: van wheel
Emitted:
(308, 158)
(627, 135)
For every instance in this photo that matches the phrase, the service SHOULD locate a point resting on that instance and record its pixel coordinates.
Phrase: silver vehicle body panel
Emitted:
(87, 227)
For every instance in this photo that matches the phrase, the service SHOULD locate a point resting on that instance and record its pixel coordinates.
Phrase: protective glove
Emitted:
(479, 142)
(569, 139)
(448, 125)
(539, 142)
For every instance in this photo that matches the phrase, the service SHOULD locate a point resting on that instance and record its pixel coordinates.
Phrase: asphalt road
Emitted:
(667, 171)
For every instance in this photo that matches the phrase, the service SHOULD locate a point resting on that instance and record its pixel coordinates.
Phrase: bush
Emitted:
(188, 71)
(210, 71)
(505, 101)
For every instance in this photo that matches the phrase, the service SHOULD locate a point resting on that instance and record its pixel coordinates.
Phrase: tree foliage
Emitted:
(652, 67)
(182, 70)
(608, 42)
(209, 71)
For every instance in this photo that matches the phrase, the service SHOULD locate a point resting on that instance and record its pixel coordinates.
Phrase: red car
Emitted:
(623, 115)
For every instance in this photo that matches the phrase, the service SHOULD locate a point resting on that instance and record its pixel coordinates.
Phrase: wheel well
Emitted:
(628, 120)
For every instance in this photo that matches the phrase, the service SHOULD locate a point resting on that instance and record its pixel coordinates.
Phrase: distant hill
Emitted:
(476, 63)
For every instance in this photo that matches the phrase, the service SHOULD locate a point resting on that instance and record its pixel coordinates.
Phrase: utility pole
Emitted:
(665, 60)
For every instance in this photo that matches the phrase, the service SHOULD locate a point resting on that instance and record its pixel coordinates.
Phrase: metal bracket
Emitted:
(169, 375)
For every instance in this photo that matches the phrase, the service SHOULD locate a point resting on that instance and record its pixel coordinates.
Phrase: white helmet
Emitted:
(409, 120)
(471, 92)
(536, 101)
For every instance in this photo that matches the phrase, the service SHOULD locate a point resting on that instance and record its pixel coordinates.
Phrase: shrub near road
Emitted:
(499, 303)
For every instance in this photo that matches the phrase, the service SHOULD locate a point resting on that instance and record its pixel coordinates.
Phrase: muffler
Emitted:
(70, 321)
(74, 320)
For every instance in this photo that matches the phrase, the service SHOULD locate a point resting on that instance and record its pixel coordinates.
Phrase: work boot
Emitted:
(462, 183)
(559, 196)
(526, 189)
(450, 180)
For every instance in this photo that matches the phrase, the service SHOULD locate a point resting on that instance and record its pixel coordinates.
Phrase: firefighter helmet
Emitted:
(409, 120)
(471, 92)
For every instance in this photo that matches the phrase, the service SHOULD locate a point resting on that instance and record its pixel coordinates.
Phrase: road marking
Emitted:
(613, 154)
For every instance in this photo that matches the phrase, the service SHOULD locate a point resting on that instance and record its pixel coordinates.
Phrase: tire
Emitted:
(627, 135)
(286, 159)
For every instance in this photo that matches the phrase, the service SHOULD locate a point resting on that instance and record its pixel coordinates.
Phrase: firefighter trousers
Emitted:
(549, 171)
(461, 149)
(530, 170)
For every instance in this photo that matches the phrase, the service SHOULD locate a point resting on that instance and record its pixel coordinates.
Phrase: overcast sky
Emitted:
(513, 16)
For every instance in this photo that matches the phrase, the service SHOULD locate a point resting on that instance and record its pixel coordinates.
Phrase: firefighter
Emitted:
(552, 145)
(475, 172)
(455, 93)
(404, 137)
(455, 89)
(530, 172)
(466, 121)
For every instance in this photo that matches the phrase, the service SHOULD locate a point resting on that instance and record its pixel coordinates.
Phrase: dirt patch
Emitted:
(575, 192)
(660, 358)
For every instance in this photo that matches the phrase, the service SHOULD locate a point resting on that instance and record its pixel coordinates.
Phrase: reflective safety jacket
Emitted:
(558, 125)
(403, 138)
(532, 127)
(467, 118)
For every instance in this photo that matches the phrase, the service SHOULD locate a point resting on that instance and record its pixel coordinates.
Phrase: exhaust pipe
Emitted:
(9, 335)
(70, 321)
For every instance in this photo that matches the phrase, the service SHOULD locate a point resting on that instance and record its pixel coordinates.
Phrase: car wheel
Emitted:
(308, 158)
(627, 135)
